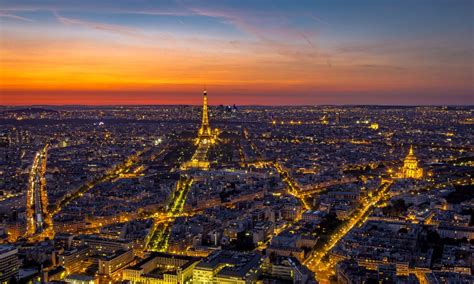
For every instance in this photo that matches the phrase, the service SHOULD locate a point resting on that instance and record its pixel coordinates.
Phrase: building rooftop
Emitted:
(236, 264)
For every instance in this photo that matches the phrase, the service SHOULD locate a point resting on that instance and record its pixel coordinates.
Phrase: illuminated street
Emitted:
(39, 221)
(315, 263)
(111, 174)
(162, 221)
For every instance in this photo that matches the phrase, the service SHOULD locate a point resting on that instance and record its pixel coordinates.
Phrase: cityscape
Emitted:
(227, 194)
(215, 166)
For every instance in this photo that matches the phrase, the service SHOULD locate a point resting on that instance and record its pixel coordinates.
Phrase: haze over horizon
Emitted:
(244, 52)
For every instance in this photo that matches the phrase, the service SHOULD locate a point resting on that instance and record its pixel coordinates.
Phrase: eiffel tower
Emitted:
(206, 137)
(205, 133)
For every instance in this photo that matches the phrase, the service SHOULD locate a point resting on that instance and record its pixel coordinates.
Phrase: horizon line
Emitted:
(247, 105)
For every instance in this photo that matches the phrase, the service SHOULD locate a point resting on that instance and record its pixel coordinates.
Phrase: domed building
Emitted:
(410, 167)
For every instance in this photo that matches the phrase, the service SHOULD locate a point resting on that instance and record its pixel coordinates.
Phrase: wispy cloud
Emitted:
(318, 19)
(119, 29)
(16, 17)
(261, 25)
(269, 26)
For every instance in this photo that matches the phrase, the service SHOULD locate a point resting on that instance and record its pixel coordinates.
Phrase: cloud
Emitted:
(307, 39)
(269, 26)
(12, 16)
(266, 26)
(380, 66)
(119, 29)
(318, 20)
(164, 8)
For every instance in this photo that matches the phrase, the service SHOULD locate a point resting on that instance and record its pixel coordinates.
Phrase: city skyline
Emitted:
(245, 53)
(183, 194)
(236, 141)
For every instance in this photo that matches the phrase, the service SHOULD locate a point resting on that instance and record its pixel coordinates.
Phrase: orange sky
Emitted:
(72, 60)
(33, 65)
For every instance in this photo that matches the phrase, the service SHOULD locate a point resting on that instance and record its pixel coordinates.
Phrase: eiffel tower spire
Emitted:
(205, 130)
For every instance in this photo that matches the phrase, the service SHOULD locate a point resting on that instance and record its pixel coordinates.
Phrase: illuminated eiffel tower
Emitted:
(206, 137)
(205, 133)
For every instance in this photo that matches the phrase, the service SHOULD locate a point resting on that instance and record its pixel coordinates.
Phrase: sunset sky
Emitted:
(243, 52)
